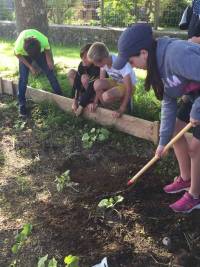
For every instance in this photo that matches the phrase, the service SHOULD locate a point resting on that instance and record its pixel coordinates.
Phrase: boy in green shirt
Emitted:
(33, 45)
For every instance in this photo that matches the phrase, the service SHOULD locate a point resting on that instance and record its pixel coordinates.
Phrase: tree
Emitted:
(31, 14)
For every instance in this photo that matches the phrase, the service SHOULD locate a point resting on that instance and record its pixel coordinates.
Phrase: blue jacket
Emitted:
(179, 64)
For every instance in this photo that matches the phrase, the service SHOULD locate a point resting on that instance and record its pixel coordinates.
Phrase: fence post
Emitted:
(102, 13)
(156, 14)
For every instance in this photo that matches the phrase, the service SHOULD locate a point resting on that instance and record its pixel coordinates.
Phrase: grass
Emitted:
(65, 57)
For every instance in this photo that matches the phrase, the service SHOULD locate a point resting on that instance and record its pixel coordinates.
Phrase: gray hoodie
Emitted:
(179, 64)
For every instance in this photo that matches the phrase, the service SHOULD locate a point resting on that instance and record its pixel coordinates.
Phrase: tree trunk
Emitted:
(31, 14)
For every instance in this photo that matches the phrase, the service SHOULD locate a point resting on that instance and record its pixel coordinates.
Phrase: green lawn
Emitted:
(65, 57)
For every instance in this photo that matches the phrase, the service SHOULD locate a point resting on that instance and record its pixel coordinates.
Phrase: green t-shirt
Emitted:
(19, 44)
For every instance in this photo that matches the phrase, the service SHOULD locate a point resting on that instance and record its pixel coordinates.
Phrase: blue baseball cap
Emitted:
(131, 41)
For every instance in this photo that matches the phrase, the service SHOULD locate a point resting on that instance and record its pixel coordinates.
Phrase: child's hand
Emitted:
(33, 70)
(160, 151)
(50, 63)
(118, 113)
(92, 107)
(194, 39)
(194, 122)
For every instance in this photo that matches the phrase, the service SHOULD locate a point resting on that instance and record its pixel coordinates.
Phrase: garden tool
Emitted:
(155, 158)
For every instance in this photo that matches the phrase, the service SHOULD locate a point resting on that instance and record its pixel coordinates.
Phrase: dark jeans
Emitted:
(24, 73)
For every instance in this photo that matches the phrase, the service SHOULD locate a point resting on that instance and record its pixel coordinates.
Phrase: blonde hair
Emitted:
(97, 52)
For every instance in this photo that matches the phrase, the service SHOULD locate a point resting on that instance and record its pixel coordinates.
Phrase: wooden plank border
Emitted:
(128, 124)
(7, 86)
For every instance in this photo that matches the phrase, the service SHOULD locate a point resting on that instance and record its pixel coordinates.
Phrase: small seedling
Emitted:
(22, 183)
(71, 261)
(2, 158)
(107, 203)
(64, 180)
(13, 263)
(21, 237)
(20, 125)
(94, 135)
(43, 262)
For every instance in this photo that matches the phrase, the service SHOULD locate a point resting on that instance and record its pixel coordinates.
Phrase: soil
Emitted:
(130, 235)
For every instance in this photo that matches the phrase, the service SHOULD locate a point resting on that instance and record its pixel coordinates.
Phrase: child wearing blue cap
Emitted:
(172, 66)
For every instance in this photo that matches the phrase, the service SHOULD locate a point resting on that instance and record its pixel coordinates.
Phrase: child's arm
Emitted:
(76, 88)
(25, 62)
(102, 74)
(77, 81)
(195, 39)
(49, 58)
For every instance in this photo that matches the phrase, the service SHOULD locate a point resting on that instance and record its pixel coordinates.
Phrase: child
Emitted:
(119, 85)
(82, 82)
(171, 65)
(33, 45)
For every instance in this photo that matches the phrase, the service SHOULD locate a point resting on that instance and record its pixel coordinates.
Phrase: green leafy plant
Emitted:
(13, 263)
(44, 260)
(64, 180)
(107, 203)
(21, 237)
(71, 261)
(94, 135)
(20, 125)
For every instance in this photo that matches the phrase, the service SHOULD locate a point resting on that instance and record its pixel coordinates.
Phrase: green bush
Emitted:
(118, 13)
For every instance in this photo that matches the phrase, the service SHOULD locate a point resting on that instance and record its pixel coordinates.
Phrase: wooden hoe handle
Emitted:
(155, 158)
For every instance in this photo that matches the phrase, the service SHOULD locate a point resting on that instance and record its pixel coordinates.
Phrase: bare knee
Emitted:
(71, 76)
(194, 148)
(98, 85)
(85, 80)
(106, 97)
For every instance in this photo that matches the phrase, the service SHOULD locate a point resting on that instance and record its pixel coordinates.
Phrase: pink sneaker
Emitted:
(186, 204)
(178, 185)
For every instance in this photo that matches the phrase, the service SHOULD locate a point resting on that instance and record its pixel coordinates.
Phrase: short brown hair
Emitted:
(97, 52)
(85, 49)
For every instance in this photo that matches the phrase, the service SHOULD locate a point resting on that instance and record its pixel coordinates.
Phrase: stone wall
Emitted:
(64, 34)
(8, 30)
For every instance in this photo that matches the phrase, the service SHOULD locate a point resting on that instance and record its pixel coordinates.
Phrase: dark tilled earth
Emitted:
(33, 153)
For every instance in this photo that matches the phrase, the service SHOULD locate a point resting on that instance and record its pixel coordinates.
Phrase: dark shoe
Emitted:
(23, 111)
(58, 93)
